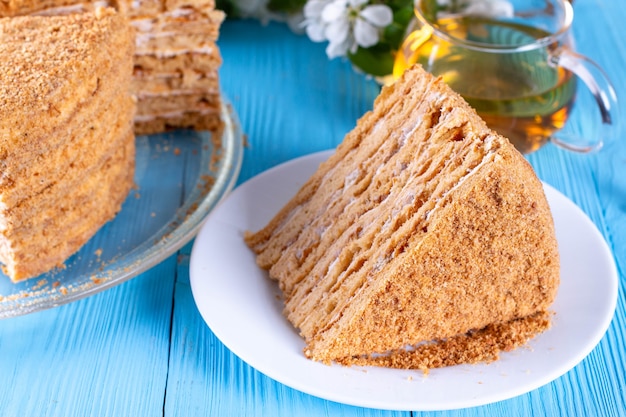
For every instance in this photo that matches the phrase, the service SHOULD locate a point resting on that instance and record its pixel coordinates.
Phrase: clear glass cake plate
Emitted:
(180, 177)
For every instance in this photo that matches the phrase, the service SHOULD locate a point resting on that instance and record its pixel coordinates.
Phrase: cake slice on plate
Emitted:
(66, 134)
(425, 240)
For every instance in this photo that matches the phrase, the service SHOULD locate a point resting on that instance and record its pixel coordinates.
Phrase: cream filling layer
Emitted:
(171, 115)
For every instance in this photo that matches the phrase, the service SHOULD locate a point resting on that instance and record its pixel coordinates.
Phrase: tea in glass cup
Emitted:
(513, 62)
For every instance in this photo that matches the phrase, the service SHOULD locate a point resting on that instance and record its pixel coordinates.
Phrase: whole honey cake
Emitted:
(175, 78)
(425, 240)
(67, 147)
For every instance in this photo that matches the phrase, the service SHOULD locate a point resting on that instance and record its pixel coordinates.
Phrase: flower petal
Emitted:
(379, 15)
(354, 47)
(337, 31)
(313, 8)
(356, 4)
(315, 31)
(365, 33)
(337, 49)
(335, 10)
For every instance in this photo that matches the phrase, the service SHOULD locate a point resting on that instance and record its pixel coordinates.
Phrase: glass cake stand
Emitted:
(180, 177)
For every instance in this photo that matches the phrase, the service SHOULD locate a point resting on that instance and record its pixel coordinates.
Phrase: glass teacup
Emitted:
(513, 61)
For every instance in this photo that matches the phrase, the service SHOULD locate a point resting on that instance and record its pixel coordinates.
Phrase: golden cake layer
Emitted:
(148, 84)
(423, 227)
(158, 104)
(205, 59)
(66, 136)
(191, 27)
(142, 8)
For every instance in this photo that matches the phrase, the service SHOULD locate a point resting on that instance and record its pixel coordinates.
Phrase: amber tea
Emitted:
(519, 94)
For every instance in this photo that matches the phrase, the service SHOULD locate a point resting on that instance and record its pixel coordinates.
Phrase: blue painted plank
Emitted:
(592, 388)
(283, 118)
(103, 356)
(111, 354)
(205, 378)
(290, 98)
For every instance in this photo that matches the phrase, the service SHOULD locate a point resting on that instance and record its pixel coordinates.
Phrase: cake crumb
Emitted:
(39, 284)
(477, 346)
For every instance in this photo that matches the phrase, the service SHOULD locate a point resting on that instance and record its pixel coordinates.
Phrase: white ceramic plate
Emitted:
(180, 177)
(243, 308)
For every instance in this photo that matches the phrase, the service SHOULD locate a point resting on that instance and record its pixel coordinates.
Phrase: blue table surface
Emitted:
(142, 349)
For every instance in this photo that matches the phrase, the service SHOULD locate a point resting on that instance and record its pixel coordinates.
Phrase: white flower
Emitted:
(313, 23)
(345, 24)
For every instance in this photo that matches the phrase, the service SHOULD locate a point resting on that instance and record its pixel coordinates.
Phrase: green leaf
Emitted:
(227, 7)
(404, 14)
(376, 61)
(394, 33)
(286, 6)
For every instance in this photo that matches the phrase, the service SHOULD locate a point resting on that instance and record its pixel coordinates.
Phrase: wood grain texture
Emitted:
(205, 378)
(290, 98)
(104, 355)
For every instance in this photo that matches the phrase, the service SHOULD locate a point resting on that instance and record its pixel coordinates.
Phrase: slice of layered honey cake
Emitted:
(425, 240)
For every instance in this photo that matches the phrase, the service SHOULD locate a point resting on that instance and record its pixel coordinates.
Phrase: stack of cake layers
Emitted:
(176, 59)
(66, 134)
(176, 64)
(425, 229)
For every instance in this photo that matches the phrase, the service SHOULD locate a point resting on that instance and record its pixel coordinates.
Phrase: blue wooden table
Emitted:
(142, 349)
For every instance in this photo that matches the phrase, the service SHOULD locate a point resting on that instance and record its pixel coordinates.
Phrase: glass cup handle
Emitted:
(600, 86)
